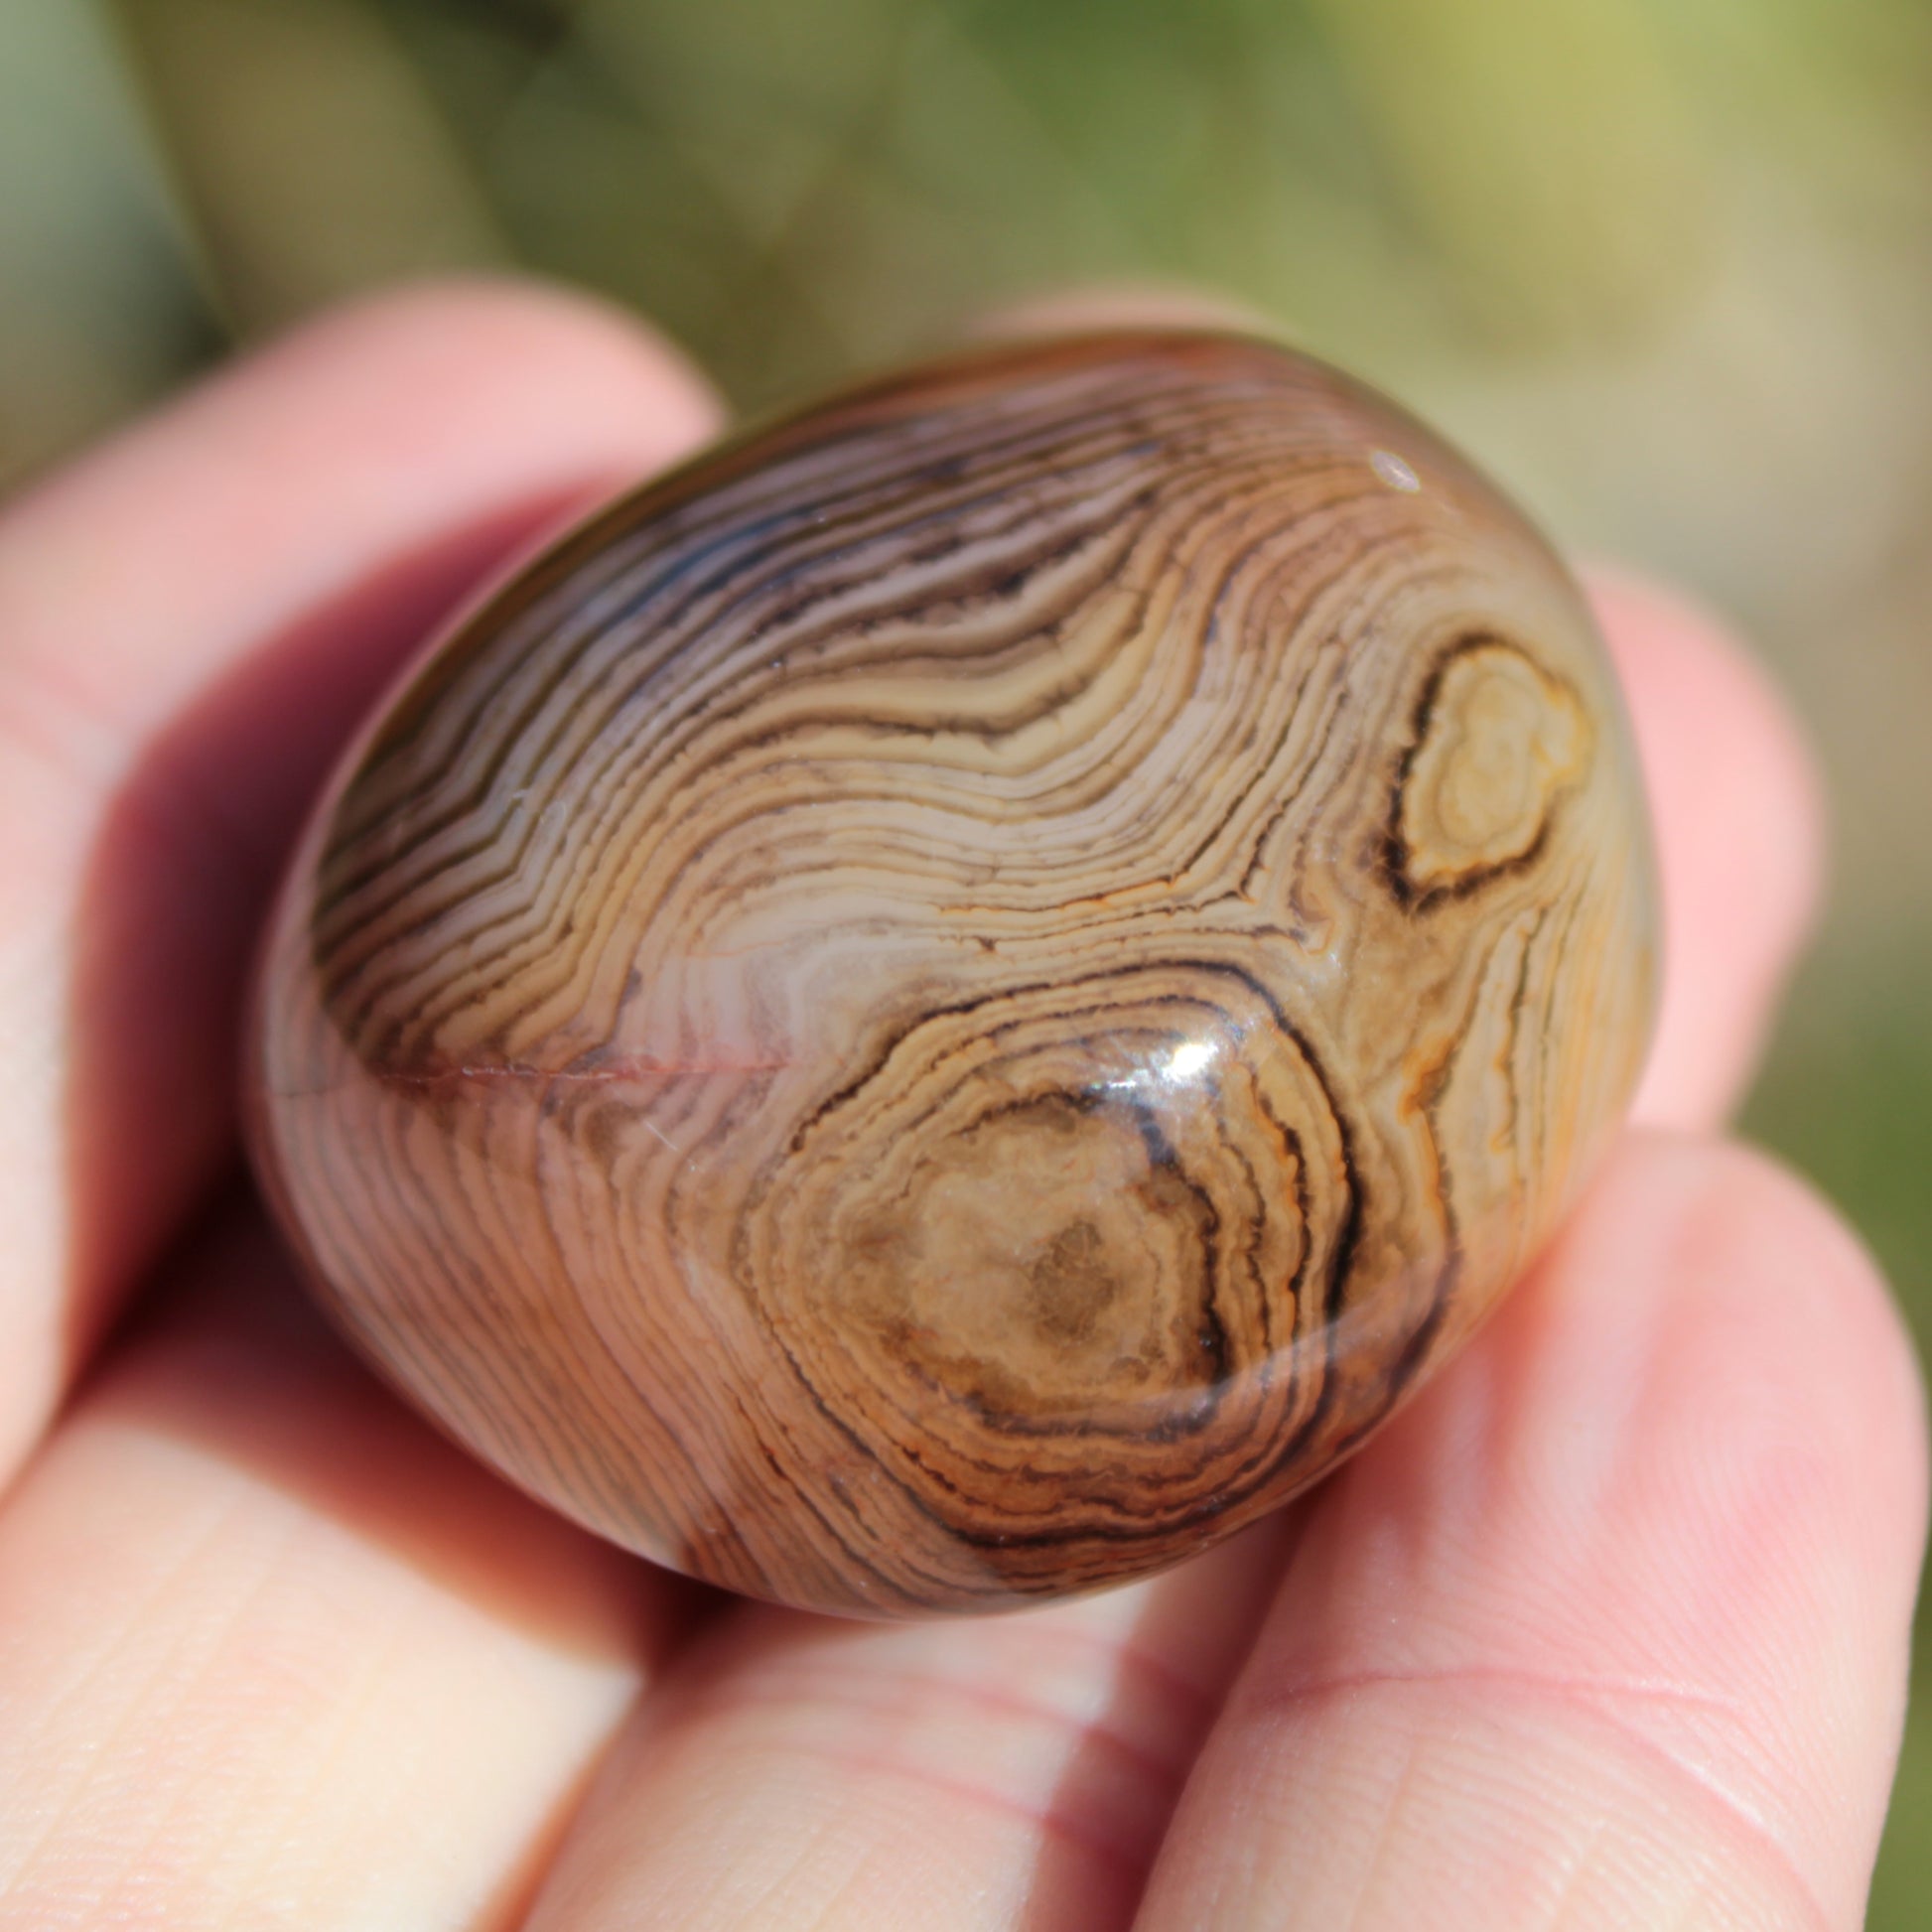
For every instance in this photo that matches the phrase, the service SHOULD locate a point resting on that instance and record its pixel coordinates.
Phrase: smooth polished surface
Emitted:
(956, 1001)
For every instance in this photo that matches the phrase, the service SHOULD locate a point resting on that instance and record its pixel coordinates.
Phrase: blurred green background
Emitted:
(1664, 265)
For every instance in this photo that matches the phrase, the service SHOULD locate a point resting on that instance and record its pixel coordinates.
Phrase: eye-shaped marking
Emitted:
(1497, 743)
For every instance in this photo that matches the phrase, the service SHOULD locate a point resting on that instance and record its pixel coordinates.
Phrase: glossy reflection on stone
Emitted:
(954, 1001)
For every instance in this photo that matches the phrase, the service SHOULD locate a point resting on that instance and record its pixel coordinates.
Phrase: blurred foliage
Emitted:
(97, 304)
(1666, 265)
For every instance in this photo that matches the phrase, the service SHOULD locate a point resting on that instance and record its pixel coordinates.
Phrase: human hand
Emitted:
(1607, 1629)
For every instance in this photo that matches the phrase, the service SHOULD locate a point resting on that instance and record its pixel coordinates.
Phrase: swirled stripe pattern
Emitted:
(952, 1001)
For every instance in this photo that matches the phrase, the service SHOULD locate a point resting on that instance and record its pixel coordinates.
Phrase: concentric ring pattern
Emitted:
(954, 1001)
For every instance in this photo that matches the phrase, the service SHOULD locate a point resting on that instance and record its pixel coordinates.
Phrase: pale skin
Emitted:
(1608, 1629)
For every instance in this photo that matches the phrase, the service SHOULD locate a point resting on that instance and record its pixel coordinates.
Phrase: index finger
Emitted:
(190, 621)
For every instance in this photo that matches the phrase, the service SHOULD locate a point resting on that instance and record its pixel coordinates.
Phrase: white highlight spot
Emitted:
(1189, 1061)
(1184, 1062)
(1394, 472)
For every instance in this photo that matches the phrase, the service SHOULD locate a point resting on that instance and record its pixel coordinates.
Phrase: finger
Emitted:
(271, 1652)
(1610, 1628)
(189, 622)
(950, 1776)
(1738, 808)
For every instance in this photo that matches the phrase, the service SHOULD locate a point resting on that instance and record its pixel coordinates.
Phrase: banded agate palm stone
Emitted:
(954, 1001)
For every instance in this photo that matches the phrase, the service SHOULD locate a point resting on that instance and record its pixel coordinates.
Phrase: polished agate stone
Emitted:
(954, 1001)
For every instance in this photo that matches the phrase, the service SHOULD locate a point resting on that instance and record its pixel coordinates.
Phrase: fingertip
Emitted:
(1759, 1511)
(366, 433)
(535, 355)
(1788, 1322)
(1739, 809)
